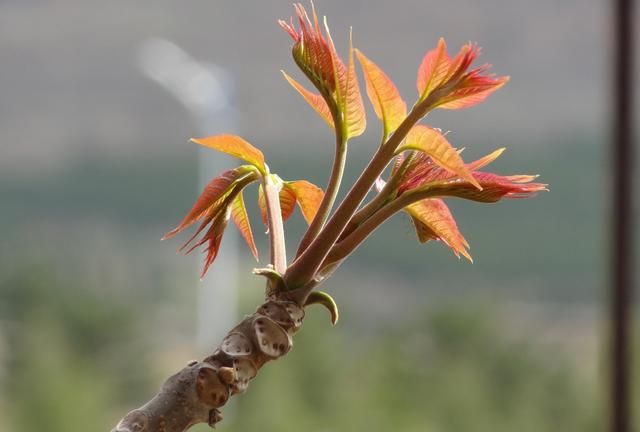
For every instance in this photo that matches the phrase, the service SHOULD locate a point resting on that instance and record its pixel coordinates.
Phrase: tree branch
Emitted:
(197, 392)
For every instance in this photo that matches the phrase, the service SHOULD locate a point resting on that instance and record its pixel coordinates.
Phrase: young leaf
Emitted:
(320, 297)
(309, 197)
(473, 89)
(431, 142)
(458, 87)
(316, 101)
(494, 187)
(211, 197)
(311, 50)
(355, 121)
(241, 220)
(433, 70)
(485, 160)
(383, 94)
(213, 238)
(433, 221)
(235, 146)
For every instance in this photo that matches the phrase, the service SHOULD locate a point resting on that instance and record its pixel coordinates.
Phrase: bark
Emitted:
(196, 393)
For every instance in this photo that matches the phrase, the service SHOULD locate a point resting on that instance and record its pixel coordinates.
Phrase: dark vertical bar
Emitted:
(621, 266)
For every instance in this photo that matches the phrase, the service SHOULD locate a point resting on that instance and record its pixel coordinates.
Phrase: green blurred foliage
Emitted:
(76, 358)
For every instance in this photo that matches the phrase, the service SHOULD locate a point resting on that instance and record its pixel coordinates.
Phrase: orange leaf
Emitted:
(309, 197)
(433, 220)
(316, 101)
(383, 94)
(355, 121)
(434, 70)
(211, 198)
(241, 220)
(485, 160)
(431, 142)
(235, 146)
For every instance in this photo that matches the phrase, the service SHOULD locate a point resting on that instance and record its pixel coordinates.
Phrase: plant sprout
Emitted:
(414, 169)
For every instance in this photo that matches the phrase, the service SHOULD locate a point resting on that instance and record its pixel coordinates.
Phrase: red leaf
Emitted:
(210, 199)
(213, 237)
(311, 50)
(383, 94)
(309, 197)
(318, 59)
(494, 187)
(472, 90)
(234, 146)
(241, 220)
(433, 221)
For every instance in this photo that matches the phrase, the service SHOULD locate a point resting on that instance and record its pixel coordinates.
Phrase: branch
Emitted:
(351, 242)
(330, 195)
(197, 392)
(304, 268)
(276, 228)
(383, 197)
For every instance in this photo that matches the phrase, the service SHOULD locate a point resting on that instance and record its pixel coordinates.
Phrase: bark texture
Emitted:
(196, 393)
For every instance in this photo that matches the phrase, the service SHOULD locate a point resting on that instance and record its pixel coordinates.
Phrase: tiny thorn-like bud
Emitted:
(320, 297)
(275, 282)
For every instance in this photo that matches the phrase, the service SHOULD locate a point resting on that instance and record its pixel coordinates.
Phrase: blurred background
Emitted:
(97, 102)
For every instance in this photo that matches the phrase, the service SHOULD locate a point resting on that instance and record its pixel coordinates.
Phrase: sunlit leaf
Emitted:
(433, 221)
(494, 187)
(211, 197)
(433, 143)
(472, 90)
(241, 220)
(353, 108)
(309, 197)
(311, 50)
(316, 101)
(383, 94)
(485, 160)
(451, 81)
(433, 70)
(234, 146)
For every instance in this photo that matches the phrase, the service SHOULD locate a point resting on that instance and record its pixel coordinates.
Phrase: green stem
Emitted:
(330, 195)
(383, 197)
(341, 250)
(276, 228)
(306, 265)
